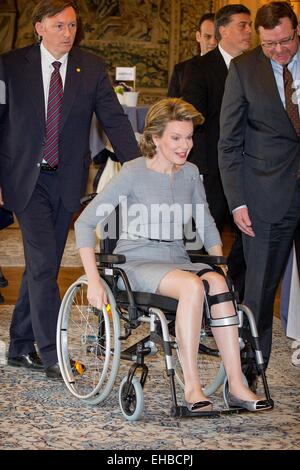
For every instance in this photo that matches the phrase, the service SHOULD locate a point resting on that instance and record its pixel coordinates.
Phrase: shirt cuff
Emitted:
(240, 207)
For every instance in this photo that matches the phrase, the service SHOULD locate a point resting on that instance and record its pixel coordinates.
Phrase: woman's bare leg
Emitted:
(227, 339)
(188, 289)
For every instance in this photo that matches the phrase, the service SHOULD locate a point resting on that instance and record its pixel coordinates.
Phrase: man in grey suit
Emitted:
(52, 90)
(259, 156)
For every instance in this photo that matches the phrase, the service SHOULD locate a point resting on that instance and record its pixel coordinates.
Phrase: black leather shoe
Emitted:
(53, 372)
(30, 361)
(3, 280)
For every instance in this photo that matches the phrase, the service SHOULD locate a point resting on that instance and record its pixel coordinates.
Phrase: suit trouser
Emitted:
(219, 210)
(216, 198)
(44, 224)
(266, 255)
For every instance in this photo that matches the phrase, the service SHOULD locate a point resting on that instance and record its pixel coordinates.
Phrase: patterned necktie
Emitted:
(291, 104)
(53, 117)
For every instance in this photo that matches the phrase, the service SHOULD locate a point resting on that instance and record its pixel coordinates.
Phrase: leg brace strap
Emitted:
(218, 299)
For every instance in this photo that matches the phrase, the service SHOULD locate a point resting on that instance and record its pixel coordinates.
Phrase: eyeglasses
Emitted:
(283, 42)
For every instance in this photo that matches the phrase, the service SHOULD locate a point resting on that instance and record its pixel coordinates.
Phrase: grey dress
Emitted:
(154, 208)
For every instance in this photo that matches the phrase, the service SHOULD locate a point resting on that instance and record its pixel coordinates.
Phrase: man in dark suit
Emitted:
(44, 162)
(204, 87)
(205, 36)
(259, 156)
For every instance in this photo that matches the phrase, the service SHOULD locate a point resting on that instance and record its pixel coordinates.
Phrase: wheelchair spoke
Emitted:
(87, 337)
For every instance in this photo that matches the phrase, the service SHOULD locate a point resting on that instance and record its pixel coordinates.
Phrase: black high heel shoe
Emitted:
(250, 405)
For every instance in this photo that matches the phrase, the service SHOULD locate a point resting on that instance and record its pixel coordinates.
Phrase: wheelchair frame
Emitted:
(101, 347)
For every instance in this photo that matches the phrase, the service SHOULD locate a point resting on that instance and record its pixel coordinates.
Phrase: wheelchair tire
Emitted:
(211, 368)
(88, 344)
(133, 406)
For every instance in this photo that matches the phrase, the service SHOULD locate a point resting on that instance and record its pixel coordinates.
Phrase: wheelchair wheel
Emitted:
(132, 405)
(88, 344)
(210, 366)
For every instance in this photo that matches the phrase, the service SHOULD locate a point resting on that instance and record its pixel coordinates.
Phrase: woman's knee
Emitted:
(217, 282)
(192, 285)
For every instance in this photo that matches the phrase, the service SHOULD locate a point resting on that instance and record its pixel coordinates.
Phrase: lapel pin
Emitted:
(78, 70)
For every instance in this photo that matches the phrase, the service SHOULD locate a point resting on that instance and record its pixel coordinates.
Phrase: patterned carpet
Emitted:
(11, 249)
(37, 413)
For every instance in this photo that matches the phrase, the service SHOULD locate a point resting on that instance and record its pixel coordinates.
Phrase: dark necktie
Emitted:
(53, 117)
(291, 104)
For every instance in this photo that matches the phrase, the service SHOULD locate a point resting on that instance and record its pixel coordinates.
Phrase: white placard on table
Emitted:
(126, 73)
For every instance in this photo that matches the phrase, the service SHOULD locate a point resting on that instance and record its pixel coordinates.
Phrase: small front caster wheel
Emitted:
(132, 400)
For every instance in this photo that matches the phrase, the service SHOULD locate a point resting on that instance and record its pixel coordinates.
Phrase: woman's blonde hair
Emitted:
(160, 114)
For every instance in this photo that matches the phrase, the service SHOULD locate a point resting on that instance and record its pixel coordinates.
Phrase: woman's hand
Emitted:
(96, 294)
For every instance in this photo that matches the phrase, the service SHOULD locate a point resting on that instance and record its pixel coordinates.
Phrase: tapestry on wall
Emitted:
(151, 34)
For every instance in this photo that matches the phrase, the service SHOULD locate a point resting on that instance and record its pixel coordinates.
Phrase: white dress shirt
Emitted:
(227, 57)
(47, 69)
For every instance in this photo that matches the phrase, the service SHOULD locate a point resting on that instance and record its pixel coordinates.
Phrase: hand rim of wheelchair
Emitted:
(136, 397)
(96, 395)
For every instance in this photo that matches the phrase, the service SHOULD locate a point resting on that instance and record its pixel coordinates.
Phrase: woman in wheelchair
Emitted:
(166, 191)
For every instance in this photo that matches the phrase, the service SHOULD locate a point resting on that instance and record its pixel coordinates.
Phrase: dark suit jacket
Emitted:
(259, 150)
(176, 82)
(22, 124)
(203, 87)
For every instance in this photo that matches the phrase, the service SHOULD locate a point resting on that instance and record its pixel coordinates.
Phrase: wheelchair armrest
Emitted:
(110, 259)
(207, 259)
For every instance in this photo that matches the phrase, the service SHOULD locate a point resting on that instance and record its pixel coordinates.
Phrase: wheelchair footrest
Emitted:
(184, 412)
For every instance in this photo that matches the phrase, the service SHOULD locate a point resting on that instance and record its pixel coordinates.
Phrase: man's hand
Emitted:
(242, 220)
(1, 198)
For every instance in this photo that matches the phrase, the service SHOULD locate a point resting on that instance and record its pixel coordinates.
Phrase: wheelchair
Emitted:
(90, 341)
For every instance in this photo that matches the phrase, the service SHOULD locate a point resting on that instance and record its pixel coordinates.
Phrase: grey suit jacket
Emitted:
(259, 150)
(22, 124)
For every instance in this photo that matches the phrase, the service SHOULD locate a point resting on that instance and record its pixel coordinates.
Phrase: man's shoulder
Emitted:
(16, 54)
(184, 63)
(247, 59)
(203, 64)
(210, 57)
